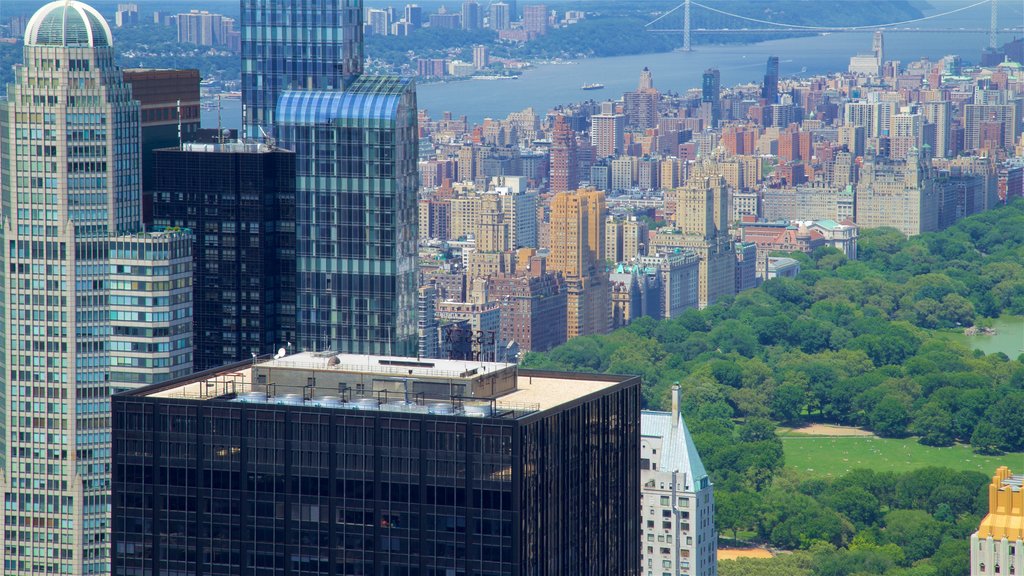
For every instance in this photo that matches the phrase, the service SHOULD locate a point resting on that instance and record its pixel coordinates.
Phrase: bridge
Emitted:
(750, 25)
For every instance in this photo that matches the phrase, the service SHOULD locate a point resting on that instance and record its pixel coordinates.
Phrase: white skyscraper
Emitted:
(90, 304)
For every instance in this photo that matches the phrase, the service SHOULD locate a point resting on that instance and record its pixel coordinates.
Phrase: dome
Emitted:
(67, 23)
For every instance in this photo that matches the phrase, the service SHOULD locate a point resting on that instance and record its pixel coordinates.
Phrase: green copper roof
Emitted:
(67, 23)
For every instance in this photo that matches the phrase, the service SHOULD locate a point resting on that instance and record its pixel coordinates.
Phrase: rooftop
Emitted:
(387, 383)
(67, 23)
(679, 453)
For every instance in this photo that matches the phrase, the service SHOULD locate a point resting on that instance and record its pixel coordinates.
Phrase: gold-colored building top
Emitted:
(1005, 517)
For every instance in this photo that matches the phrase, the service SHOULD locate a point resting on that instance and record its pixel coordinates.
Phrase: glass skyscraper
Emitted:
(355, 142)
(296, 45)
(89, 304)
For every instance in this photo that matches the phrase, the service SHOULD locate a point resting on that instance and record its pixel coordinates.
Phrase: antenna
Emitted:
(266, 137)
(179, 124)
(220, 131)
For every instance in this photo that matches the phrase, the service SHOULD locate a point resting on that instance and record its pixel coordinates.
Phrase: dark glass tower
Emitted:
(239, 201)
(770, 88)
(711, 89)
(296, 45)
(536, 474)
(356, 214)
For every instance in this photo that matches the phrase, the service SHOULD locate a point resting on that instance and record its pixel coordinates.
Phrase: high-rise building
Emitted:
(939, 113)
(378, 22)
(563, 164)
(471, 15)
(702, 222)
(90, 304)
(329, 34)
(500, 16)
(414, 15)
(898, 194)
(239, 201)
(1003, 116)
(607, 130)
(998, 545)
(906, 134)
(355, 138)
(678, 501)
(535, 18)
(770, 86)
(711, 93)
(481, 56)
(852, 137)
(170, 115)
(356, 214)
(577, 251)
(351, 464)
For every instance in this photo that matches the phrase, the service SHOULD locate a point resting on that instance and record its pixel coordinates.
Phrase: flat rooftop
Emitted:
(397, 365)
(533, 391)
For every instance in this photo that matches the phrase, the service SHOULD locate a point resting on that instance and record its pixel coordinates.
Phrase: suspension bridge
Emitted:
(751, 25)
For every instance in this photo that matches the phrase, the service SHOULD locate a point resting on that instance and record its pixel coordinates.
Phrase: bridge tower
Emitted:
(993, 25)
(686, 25)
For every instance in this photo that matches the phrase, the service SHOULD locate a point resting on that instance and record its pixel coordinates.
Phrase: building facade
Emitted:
(391, 465)
(577, 251)
(297, 45)
(356, 214)
(678, 502)
(170, 115)
(90, 304)
(998, 545)
(239, 202)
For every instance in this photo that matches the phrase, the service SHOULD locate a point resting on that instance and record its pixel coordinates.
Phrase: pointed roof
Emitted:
(679, 453)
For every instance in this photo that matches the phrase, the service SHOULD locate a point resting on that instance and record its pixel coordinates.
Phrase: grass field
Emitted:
(834, 456)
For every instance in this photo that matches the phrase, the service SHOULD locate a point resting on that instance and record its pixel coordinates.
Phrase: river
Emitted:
(549, 85)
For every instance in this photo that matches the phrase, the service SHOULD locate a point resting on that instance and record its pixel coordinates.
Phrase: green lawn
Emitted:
(834, 456)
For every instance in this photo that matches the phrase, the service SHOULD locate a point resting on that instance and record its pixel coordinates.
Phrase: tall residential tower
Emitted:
(355, 143)
(90, 304)
(296, 45)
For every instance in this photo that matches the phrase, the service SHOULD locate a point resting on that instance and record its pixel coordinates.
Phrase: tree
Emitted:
(757, 430)
(915, 531)
(987, 439)
(890, 417)
(953, 558)
(857, 504)
(736, 511)
(794, 521)
(788, 401)
(934, 424)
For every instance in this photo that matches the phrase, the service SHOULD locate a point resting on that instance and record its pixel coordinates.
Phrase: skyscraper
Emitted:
(770, 87)
(678, 495)
(500, 16)
(355, 143)
(90, 304)
(239, 201)
(577, 251)
(607, 130)
(356, 214)
(535, 18)
(393, 466)
(702, 215)
(563, 165)
(711, 89)
(999, 541)
(470, 15)
(296, 45)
